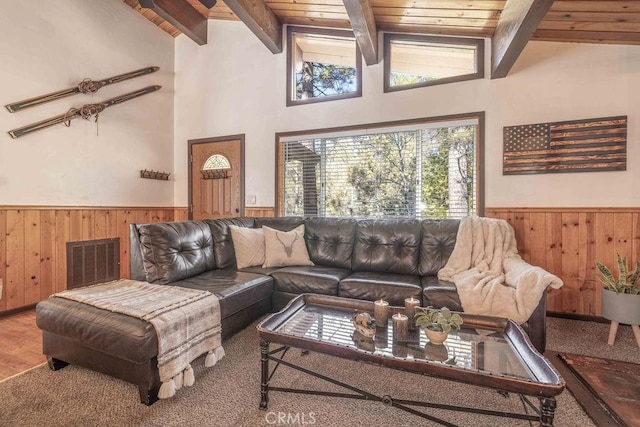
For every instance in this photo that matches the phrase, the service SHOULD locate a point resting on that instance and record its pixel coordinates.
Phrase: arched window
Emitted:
(217, 161)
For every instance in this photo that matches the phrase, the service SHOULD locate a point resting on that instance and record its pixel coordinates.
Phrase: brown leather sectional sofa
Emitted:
(364, 259)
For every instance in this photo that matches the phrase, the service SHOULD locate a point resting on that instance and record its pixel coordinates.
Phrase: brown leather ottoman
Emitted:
(112, 343)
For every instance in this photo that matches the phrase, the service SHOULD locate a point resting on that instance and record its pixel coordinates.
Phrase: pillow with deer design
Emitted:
(285, 248)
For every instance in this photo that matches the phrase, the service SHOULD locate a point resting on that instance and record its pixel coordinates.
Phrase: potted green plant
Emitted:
(437, 323)
(621, 295)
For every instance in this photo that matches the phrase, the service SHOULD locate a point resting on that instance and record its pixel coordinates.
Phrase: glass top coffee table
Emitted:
(488, 351)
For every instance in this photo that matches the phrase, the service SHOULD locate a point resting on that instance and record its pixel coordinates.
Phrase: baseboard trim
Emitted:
(16, 310)
(574, 316)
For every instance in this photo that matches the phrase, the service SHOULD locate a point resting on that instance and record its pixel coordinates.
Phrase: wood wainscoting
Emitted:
(259, 211)
(568, 241)
(33, 259)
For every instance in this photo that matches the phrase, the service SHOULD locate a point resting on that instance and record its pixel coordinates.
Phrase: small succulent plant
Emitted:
(442, 319)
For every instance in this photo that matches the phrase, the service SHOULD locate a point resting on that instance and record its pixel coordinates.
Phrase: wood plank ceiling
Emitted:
(509, 23)
(589, 21)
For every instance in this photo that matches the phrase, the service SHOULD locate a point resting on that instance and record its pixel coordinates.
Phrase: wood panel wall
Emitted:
(568, 242)
(259, 211)
(33, 259)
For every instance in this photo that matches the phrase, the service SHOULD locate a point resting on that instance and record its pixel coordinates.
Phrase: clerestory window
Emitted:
(412, 61)
(323, 65)
(429, 168)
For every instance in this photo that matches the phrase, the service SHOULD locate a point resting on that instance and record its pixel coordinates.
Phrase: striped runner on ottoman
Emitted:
(187, 323)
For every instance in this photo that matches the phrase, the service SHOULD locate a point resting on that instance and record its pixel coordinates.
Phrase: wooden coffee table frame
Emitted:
(550, 383)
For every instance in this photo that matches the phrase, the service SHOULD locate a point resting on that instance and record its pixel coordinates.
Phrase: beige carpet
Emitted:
(228, 394)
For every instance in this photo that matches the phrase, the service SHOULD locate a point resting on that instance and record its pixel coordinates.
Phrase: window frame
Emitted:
(291, 30)
(478, 154)
(390, 37)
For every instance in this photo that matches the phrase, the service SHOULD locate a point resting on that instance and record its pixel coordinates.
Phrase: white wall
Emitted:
(235, 85)
(49, 45)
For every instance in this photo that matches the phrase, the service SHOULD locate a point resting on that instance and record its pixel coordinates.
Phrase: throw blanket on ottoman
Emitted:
(490, 276)
(187, 323)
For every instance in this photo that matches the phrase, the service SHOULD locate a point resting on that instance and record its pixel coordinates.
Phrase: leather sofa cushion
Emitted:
(175, 250)
(116, 334)
(281, 299)
(438, 240)
(387, 246)
(258, 269)
(394, 288)
(235, 290)
(440, 294)
(222, 242)
(330, 241)
(311, 279)
(282, 223)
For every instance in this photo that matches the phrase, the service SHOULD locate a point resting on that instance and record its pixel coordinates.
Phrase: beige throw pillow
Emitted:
(283, 248)
(248, 244)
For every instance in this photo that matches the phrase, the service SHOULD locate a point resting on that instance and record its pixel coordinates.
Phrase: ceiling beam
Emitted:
(181, 15)
(364, 28)
(261, 21)
(518, 21)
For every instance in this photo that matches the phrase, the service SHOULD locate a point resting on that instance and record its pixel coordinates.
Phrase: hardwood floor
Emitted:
(20, 343)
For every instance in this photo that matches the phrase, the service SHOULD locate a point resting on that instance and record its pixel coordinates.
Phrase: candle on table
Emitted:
(399, 350)
(381, 338)
(410, 305)
(381, 313)
(400, 327)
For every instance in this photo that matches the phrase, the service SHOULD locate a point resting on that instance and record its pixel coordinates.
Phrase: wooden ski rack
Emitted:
(85, 112)
(86, 86)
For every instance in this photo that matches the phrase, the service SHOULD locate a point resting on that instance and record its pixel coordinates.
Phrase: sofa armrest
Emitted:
(136, 268)
(536, 326)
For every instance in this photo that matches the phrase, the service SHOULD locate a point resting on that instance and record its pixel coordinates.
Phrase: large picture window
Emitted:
(323, 65)
(428, 168)
(412, 61)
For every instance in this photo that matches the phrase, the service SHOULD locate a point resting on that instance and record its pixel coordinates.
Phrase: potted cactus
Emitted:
(621, 295)
(437, 323)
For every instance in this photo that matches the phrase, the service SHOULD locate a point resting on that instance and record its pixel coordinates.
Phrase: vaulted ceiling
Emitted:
(509, 23)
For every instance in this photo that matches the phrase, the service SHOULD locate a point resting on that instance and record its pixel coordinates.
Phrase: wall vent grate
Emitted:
(92, 261)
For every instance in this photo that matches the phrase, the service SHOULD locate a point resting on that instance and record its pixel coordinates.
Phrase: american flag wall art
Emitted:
(574, 146)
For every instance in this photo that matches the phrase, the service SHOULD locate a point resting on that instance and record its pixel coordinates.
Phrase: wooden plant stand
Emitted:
(613, 330)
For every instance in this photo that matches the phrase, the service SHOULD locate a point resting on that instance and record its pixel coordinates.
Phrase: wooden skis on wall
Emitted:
(85, 112)
(86, 86)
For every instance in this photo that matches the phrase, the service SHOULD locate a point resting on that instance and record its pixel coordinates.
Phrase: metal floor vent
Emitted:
(92, 261)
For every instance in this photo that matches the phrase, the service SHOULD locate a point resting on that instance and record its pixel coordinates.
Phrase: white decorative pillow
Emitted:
(248, 244)
(283, 248)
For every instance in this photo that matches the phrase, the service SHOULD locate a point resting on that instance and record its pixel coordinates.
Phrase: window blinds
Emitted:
(419, 173)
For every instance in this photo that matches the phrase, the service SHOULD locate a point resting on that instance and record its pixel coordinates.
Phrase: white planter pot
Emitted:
(435, 337)
(621, 308)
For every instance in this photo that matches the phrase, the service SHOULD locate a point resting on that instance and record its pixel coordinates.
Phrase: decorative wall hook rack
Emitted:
(164, 176)
(214, 174)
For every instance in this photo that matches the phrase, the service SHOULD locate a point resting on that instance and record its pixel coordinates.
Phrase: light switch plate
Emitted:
(251, 199)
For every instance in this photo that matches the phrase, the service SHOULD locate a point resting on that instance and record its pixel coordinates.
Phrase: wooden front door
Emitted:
(216, 176)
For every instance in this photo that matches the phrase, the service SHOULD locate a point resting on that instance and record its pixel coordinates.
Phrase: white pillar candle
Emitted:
(400, 327)
(410, 305)
(381, 313)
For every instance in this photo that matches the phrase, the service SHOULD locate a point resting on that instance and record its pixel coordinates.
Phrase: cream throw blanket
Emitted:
(490, 276)
(187, 323)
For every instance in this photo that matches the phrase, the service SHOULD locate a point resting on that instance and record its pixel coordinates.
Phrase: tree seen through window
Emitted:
(316, 79)
(424, 173)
